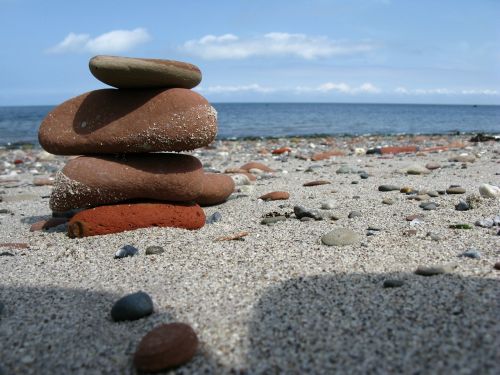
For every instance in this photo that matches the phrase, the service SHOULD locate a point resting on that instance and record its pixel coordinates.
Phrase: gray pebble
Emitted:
(434, 270)
(374, 228)
(126, 251)
(434, 236)
(301, 212)
(433, 193)
(388, 201)
(214, 218)
(471, 253)
(453, 189)
(354, 214)
(344, 169)
(132, 307)
(484, 223)
(354, 182)
(462, 206)
(340, 237)
(388, 188)
(428, 206)
(306, 218)
(154, 250)
(393, 283)
(364, 175)
(6, 253)
(327, 205)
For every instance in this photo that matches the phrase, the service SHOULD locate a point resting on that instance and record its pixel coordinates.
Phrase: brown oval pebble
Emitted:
(281, 150)
(89, 181)
(127, 72)
(166, 346)
(455, 190)
(122, 121)
(256, 165)
(124, 217)
(327, 155)
(216, 189)
(47, 224)
(317, 182)
(275, 195)
(43, 181)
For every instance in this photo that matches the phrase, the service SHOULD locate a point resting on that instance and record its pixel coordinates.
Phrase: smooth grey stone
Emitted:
(132, 307)
(354, 182)
(434, 270)
(344, 169)
(327, 205)
(301, 212)
(472, 253)
(340, 237)
(462, 206)
(428, 206)
(6, 253)
(354, 214)
(393, 283)
(272, 220)
(126, 251)
(387, 188)
(433, 193)
(484, 223)
(434, 236)
(388, 201)
(364, 175)
(455, 190)
(371, 232)
(214, 218)
(154, 250)
(374, 228)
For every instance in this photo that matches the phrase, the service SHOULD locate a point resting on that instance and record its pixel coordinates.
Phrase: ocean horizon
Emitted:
(19, 124)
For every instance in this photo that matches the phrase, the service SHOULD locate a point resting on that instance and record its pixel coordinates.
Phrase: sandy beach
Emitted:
(278, 300)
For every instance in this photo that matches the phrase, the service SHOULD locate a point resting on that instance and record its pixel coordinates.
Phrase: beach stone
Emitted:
(327, 205)
(416, 169)
(168, 177)
(326, 155)
(301, 212)
(393, 283)
(214, 218)
(462, 206)
(126, 251)
(471, 253)
(388, 188)
(124, 217)
(6, 253)
(340, 237)
(47, 224)
(455, 190)
(43, 181)
(247, 189)
(428, 206)
(132, 307)
(406, 190)
(388, 201)
(484, 223)
(281, 150)
(273, 220)
(354, 214)
(216, 189)
(113, 121)
(463, 159)
(435, 270)
(364, 175)
(489, 191)
(432, 165)
(256, 165)
(414, 217)
(434, 236)
(240, 179)
(432, 193)
(166, 346)
(344, 169)
(316, 183)
(154, 250)
(138, 73)
(275, 195)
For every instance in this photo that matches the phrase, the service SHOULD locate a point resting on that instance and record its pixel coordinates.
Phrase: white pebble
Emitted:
(489, 191)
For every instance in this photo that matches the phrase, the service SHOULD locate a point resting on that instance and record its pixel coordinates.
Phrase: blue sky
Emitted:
(380, 51)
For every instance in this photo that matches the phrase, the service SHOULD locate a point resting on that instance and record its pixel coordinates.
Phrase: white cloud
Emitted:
(230, 46)
(254, 87)
(110, 42)
(445, 91)
(344, 88)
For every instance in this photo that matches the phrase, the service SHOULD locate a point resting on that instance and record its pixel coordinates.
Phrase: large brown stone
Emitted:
(126, 72)
(123, 217)
(121, 121)
(166, 346)
(216, 189)
(89, 181)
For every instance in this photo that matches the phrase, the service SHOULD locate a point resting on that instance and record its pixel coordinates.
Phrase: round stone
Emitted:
(127, 72)
(111, 121)
(166, 346)
(132, 307)
(126, 251)
(388, 188)
(154, 250)
(455, 190)
(434, 270)
(340, 237)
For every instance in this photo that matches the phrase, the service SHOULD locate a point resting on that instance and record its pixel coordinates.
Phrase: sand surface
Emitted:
(278, 301)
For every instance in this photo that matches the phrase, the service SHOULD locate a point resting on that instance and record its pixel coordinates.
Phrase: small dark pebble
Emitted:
(472, 253)
(393, 283)
(154, 250)
(354, 214)
(428, 206)
(388, 188)
(6, 253)
(364, 175)
(462, 206)
(4, 211)
(354, 182)
(132, 307)
(497, 266)
(126, 251)
(214, 218)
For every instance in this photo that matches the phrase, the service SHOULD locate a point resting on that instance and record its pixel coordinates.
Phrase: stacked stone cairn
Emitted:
(130, 173)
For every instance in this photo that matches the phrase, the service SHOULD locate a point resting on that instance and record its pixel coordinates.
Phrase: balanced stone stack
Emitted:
(128, 136)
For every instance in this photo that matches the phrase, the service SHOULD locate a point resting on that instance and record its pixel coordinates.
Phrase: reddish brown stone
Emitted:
(398, 149)
(317, 182)
(126, 72)
(281, 150)
(275, 195)
(42, 181)
(166, 346)
(431, 166)
(326, 155)
(47, 224)
(122, 121)
(256, 165)
(123, 217)
(216, 189)
(90, 181)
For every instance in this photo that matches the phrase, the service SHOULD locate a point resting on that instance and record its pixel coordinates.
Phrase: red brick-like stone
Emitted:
(275, 195)
(89, 181)
(124, 217)
(316, 183)
(256, 165)
(166, 346)
(216, 189)
(122, 121)
(281, 150)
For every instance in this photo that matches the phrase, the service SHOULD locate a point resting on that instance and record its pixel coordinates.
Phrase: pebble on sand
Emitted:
(275, 195)
(126, 251)
(435, 270)
(132, 307)
(340, 237)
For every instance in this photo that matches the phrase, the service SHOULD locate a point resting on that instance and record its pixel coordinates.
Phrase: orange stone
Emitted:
(124, 217)
(281, 150)
(317, 182)
(275, 195)
(216, 189)
(256, 165)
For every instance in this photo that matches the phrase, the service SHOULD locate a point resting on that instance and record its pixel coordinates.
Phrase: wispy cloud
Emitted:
(230, 46)
(445, 91)
(110, 42)
(344, 88)
(254, 87)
